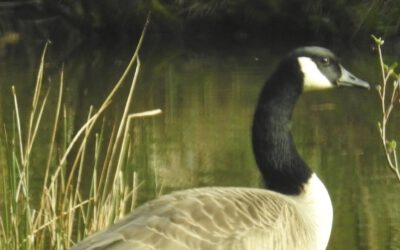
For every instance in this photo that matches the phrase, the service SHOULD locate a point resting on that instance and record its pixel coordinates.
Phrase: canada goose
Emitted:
(295, 213)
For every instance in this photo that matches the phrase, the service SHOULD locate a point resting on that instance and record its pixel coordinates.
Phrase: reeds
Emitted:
(60, 214)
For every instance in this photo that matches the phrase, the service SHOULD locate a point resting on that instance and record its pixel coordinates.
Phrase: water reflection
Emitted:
(202, 138)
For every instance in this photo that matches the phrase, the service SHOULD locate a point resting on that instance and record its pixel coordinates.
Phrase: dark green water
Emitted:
(203, 139)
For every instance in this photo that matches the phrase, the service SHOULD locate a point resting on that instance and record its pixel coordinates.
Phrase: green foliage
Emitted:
(343, 19)
(378, 40)
(391, 145)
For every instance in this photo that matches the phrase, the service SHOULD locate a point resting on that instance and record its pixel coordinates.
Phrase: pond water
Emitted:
(202, 138)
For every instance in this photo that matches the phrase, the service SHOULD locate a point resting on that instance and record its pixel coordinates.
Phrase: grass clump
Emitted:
(53, 219)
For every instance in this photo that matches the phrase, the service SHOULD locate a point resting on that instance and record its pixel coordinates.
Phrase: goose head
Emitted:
(321, 69)
(305, 68)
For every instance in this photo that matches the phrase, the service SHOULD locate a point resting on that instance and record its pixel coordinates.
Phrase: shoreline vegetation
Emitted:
(233, 20)
(389, 96)
(70, 204)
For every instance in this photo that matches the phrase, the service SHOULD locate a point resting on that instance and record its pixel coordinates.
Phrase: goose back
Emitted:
(210, 218)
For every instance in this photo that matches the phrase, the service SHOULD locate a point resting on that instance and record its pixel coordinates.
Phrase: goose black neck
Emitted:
(280, 164)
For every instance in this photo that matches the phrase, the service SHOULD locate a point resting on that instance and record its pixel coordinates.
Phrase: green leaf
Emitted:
(391, 69)
(385, 67)
(393, 66)
(391, 145)
(378, 41)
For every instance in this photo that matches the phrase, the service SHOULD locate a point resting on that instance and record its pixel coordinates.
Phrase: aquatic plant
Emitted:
(59, 211)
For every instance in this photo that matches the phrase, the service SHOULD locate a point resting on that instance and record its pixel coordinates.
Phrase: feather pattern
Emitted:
(209, 218)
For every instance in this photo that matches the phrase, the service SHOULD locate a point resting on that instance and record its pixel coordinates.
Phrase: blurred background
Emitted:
(101, 21)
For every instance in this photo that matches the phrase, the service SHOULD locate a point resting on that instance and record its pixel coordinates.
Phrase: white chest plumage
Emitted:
(317, 208)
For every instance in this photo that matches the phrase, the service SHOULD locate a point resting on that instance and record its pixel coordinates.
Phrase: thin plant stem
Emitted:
(386, 108)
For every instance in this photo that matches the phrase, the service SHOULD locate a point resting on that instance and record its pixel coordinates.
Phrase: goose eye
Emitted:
(325, 61)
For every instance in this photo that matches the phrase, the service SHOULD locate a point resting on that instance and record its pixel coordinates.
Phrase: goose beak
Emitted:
(349, 80)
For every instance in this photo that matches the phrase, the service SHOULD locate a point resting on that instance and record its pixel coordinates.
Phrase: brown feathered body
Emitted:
(210, 218)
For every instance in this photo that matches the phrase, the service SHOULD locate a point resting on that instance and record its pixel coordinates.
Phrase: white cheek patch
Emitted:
(313, 78)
